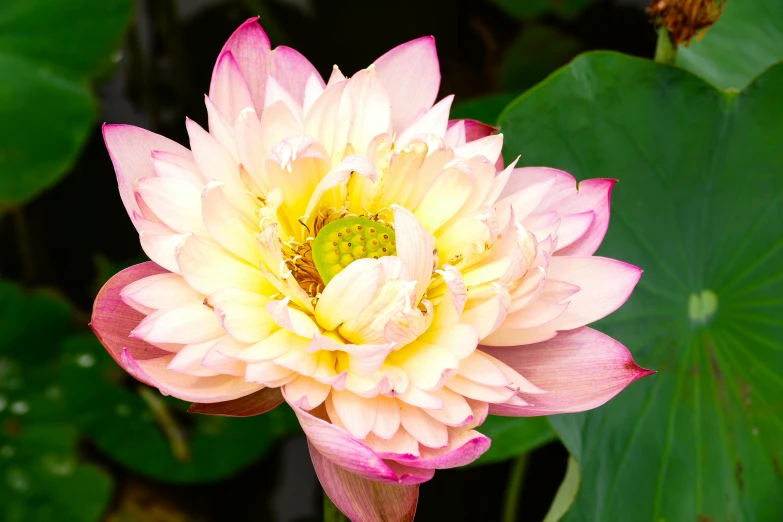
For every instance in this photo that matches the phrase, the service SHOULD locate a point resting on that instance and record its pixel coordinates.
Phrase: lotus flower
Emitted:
(346, 248)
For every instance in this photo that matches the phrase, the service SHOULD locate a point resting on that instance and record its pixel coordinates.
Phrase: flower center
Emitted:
(347, 239)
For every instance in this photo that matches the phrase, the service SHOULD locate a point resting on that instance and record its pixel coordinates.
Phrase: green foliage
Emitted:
(485, 109)
(746, 39)
(41, 476)
(48, 51)
(698, 207)
(514, 436)
(181, 448)
(535, 52)
(525, 9)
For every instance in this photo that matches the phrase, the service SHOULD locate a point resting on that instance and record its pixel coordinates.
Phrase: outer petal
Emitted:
(155, 372)
(130, 149)
(580, 369)
(292, 71)
(361, 499)
(475, 130)
(250, 48)
(338, 446)
(256, 403)
(113, 320)
(232, 94)
(411, 74)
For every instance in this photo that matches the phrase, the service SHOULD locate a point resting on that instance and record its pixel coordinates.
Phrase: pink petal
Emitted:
(411, 74)
(131, 149)
(338, 446)
(250, 47)
(363, 500)
(604, 285)
(231, 91)
(580, 369)
(463, 448)
(113, 320)
(475, 130)
(564, 197)
(256, 403)
(593, 196)
(292, 71)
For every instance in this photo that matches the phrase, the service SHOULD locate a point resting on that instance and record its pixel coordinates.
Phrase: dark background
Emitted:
(161, 76)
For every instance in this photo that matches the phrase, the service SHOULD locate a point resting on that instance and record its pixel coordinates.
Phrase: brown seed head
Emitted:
(686, 18)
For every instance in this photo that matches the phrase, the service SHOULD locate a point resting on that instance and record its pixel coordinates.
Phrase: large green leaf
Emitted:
(698, 207)
(131, 430)
(746, 39)
(48, 51)
(41, 478)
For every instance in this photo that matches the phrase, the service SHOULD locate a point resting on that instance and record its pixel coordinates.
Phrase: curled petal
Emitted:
(464, 447)
(341, 448)
(363, 500)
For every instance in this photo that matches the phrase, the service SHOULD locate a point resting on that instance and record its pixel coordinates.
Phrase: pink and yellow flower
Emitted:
(346, 248)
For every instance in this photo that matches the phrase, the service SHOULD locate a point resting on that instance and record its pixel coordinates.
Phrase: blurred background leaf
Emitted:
(42, 477)
(512, 436)
(746, 39)
(123, 418)
(698, 207)
(525, 9)
(49, 49)
(484, 108)
(534, 53)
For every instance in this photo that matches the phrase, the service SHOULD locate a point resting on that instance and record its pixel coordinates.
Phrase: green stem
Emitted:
(514, 488)
(331, 513)
(167, 423)
(665, 51)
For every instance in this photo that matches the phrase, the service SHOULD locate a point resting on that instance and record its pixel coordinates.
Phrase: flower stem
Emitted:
(331, 513)
(167, 423)
(515, 479)
(665, 51)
